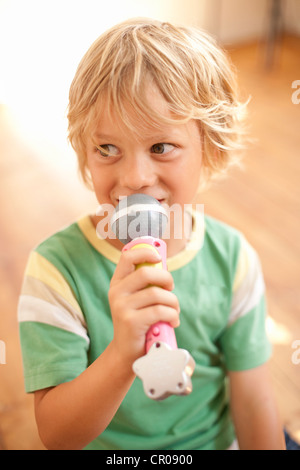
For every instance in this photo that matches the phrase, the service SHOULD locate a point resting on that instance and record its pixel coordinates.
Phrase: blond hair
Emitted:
(190, 70)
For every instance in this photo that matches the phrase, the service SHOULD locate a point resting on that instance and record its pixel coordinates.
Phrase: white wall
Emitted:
(240, 20)
(292, 16)
(237, 21)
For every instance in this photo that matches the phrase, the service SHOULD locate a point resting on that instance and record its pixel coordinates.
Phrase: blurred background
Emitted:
(41, 44)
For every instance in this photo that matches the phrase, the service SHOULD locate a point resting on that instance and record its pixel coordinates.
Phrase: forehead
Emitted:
(110, 129)
(142, 115)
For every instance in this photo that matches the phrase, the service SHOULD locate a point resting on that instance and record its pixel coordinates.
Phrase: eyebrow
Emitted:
(98, 135)
(156, 136)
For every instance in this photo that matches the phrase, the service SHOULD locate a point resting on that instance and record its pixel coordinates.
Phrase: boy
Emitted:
(153, 109)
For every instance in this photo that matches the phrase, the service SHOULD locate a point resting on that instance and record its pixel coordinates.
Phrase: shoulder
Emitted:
(229, 241)
(55, 259)
(60, 242)
(230, 247)
(68, 250)
(48, 268)
(222, 244)
(221, 233)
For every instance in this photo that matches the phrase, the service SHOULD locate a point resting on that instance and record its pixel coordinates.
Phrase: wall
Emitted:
(237, 21)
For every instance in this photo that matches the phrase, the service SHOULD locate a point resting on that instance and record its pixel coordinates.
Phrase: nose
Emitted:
(137, 173)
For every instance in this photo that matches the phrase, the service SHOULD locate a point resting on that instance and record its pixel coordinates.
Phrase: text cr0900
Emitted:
(171, 459)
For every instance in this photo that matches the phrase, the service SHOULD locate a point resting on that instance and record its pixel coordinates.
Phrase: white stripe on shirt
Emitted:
(38, 310)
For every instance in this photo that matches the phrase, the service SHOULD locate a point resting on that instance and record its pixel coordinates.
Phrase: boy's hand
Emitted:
(139, 298)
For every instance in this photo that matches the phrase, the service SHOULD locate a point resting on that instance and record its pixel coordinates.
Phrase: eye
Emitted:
(108, 150)
(161, 148)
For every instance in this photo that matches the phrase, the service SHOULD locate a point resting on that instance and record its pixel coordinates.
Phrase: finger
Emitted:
(160, 313)
(143, 278)
(131, 258)
(153, 296)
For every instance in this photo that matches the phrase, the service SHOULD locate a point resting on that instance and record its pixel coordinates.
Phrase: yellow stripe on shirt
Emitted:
(40, 268)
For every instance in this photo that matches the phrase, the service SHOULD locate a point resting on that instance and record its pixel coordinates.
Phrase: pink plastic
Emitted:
(161, 331)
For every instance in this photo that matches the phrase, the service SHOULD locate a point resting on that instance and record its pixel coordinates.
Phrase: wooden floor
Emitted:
(263, 201)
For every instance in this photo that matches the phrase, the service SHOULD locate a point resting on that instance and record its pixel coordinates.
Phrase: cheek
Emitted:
(187, 180)
(102, 182)
(102, 185)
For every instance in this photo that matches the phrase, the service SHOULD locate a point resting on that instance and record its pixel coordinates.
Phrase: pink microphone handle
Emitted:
(161, 331)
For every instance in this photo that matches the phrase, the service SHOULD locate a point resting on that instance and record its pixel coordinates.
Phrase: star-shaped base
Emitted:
(165, 371)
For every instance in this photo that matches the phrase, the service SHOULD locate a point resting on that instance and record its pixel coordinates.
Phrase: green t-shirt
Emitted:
(65, 324)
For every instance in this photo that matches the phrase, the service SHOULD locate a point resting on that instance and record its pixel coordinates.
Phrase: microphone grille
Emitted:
(137, 216)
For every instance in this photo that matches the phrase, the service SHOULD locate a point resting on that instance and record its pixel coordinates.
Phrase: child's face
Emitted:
(162, 162)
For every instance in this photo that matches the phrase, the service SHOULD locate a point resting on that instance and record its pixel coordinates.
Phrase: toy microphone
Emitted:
(139, 221)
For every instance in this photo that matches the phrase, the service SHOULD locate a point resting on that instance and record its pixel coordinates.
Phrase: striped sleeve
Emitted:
(53, 331)
(244, 341)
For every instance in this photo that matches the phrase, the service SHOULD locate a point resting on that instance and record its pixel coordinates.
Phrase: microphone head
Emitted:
(137, 216)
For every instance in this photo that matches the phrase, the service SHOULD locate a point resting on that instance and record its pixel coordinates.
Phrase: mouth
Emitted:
(160, 200)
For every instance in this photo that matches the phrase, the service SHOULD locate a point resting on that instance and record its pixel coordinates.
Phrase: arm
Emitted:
(254, 410)
(72, 414)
